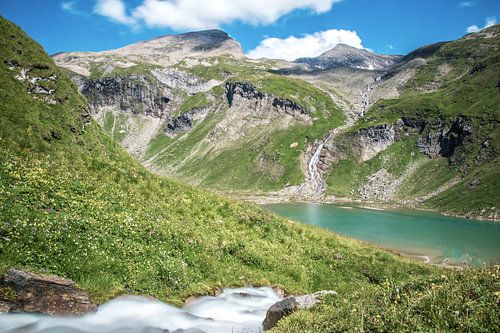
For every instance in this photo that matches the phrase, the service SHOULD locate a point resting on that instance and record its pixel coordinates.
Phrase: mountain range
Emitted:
(417, 130)
(74, 203)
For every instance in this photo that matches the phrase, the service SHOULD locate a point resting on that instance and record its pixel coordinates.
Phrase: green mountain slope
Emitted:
(261, 159)
(243, 146)
(73, 203)
(447, 143)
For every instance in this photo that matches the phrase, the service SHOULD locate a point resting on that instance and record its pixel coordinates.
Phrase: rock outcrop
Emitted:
(175, 78)
(249, 109)
(291, 304)
(365, 143)
(248, 91)
(23, 291)
(40, 87)
(376, 139)
(185, 122)
(135, 94)
(441, 139)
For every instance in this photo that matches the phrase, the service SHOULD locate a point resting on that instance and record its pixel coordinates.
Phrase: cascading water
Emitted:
(313, 163)
(314, 184)
(235, 310)
(365, 97)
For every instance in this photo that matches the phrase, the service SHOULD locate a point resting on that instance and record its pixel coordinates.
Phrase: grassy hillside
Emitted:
(262, 160)
(73, 203)
(258, 161)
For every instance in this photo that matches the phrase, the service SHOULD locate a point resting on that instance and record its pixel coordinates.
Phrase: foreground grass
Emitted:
(458, 301)
(73, 203)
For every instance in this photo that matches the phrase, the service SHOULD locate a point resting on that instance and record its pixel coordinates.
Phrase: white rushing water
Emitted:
(237, 310)
(313, 162)
(314, 184)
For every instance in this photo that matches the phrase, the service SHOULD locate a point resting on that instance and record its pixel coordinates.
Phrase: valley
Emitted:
(348, 124)
(118, 168)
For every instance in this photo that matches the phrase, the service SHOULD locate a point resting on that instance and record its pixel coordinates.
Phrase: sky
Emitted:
(285, 29)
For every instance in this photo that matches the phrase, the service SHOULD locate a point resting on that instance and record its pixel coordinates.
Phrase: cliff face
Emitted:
(246, 96)
(185, 122)
(137, 94)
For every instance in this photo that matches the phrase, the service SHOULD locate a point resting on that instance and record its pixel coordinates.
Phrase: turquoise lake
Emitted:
(431, 236)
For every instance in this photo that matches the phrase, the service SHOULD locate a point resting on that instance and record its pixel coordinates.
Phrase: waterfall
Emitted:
(314, 185)
(313, 163)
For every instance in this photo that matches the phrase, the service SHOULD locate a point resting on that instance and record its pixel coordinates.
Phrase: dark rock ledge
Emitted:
(22, 291)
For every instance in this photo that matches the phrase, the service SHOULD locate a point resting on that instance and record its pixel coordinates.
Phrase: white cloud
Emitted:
(67, 6)
(472, 28)
(490, 21)
(390, 46)
(205, 14)
(309, 45)
(464, 4)
(115, 10)
(70, 7)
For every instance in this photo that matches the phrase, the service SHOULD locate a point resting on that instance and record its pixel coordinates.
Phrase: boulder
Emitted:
(49, 294)
(291, 304)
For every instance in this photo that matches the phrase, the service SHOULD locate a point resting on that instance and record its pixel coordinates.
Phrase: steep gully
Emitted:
(315, 185)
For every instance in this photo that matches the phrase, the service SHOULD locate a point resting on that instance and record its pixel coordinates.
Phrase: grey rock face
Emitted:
(248, 91)
(206, 40)
(291, 304)
(343, 56)
(185, 121)
(279, 310)
(441, 139)
(376, 139)
(365, 143)
(136, 94)
(243, 89)
(51, 295)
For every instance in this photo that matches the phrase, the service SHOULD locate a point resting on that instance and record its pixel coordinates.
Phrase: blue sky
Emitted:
(263, 27)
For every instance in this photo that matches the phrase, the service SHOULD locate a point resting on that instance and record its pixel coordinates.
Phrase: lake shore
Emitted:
(433, 254)
(267, 199)
(426, 258)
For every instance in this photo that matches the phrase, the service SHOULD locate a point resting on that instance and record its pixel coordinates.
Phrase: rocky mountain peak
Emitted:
(206, 43)
(213, 34)
(163, 51)
(199, 40)
(344, 50)
(343, 55)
